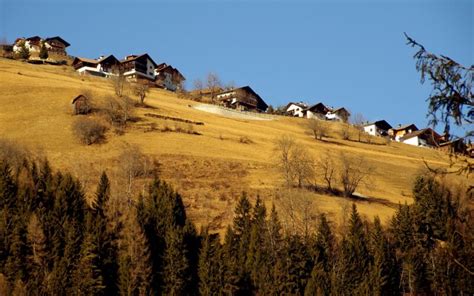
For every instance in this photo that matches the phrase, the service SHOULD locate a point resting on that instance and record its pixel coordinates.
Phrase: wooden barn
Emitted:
(80, 105)
(456, 146)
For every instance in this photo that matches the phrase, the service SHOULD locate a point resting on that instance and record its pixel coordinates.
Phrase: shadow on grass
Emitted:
(354, 197)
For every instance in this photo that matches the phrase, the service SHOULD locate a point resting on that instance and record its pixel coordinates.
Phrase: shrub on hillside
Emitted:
(118, 110)
(24, 52)
(43, 54)
(89, 131)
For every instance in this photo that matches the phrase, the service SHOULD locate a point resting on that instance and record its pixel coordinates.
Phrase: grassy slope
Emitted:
(209, 170)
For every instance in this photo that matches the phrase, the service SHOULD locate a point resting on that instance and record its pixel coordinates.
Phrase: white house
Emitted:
(339, 114)
(168, 77)
(318, 111)
(296, 109)
(377, 128)
(33, 44)
(401, 130)
(103, 66)
(55, 44)
(242, 99)
(422, 138)
(138, 67)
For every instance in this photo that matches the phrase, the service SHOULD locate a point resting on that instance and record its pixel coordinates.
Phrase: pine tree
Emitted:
(8, 188)
(296, 265)
(320, 283)
(242, 232)
(257, 255)
(210, 277)
(384, 276)
(402, 228)
(135, 272)
(105, 241)
(24, 52)
(16, 266)
(355, 255)
(272, 270)
(160, 211)
(38, 255)
(431, 210)
(43, 54)
(176, 273)
(231, 279)
(87, 278)
(414, 275)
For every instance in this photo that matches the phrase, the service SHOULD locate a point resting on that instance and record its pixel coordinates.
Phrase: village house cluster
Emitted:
(138, 68)
(408, 134)
(142, 68)
(54, 45)
(317, 111)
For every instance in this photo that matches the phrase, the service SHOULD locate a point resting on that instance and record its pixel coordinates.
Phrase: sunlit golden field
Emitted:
(209, 170)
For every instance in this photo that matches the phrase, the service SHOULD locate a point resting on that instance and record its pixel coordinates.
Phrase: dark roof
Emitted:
(66, 44)
(96, 61)
(318, 106)
(300, 104)
(382, 124)
(136, 57)
(163, 66)
(109, 57)
(403, 127)
(91, 61)
(78, 97)
(261, 105)
(340, 109)
(452, 142)
(426, 131)
(37, 38)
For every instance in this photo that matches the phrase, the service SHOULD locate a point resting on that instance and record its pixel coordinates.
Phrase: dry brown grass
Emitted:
(210, 170)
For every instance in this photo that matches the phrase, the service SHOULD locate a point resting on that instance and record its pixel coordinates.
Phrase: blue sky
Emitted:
(343, 53)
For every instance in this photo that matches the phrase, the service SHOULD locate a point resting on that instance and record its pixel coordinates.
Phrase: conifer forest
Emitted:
(53, 242)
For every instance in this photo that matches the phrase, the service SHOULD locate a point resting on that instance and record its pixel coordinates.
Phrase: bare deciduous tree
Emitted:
(119, 81)
(302, 165)
(134, 164)
(141, 90)
(353, 172)
(327, 169)
(284, 147)
(358, 121)
(198, 86)
(229, 85)
(294, 161)
(317, 128)
(299, 212)
(345, 131)
(213, 83)
(118, 110)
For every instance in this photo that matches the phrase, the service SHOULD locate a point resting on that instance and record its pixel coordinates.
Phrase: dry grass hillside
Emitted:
(210, 170)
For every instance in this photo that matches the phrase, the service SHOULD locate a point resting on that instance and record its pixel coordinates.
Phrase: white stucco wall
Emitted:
(412, 141)
(371, 129)
(296, 110)
(333, 116)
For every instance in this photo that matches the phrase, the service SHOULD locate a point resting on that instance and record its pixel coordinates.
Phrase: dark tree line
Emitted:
(52, 242)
